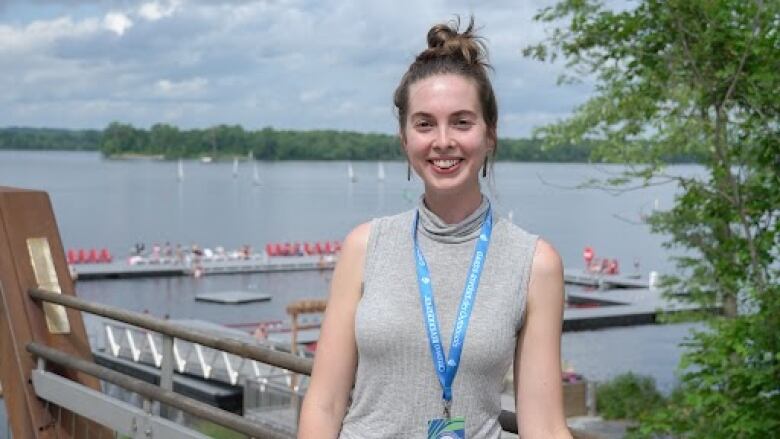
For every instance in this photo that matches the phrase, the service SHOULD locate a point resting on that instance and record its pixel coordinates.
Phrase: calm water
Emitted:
(113, 204)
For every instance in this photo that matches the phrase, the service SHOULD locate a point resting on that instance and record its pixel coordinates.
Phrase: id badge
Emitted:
(453, 428)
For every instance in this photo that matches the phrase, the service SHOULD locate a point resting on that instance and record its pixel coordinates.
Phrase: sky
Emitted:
(287, 64)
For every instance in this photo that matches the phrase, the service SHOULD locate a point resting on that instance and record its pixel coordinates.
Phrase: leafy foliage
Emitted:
(695, 77)
(627, 396)
(49, 138)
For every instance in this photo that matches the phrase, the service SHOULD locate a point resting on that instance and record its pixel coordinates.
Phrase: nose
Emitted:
(443, 137)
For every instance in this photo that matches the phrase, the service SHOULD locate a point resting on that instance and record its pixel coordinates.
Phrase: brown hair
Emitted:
(452, 52)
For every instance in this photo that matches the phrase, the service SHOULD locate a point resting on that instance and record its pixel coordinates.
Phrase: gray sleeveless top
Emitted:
(396, 388)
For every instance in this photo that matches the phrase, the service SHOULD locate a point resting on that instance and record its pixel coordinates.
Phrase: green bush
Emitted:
(627, 396)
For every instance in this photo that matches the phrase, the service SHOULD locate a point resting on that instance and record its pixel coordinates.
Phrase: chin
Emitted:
(451, 187)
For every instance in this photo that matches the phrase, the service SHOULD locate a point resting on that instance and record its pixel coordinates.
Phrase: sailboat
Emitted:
(351, 173)
(255, 175)
(380, 173)
(235, 167)
(180, 173)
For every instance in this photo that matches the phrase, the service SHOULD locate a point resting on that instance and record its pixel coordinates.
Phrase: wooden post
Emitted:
(306, 306)
(31, 255)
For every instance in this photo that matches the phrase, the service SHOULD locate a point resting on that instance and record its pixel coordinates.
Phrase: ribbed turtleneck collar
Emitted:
(435, 228)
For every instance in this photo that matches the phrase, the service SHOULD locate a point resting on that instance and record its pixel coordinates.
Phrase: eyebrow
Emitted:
(458, 113)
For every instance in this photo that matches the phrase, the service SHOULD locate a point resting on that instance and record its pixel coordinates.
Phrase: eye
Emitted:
(423, 124)
(463, 123)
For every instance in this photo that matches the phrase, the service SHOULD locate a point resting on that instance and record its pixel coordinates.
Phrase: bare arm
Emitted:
(538, 388)
(333, 373)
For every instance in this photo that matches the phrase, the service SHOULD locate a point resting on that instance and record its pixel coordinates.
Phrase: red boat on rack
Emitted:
(324, 248)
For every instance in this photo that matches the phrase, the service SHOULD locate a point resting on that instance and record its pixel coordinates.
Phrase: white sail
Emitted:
(255, 175)
(351, 173)
(180, 173)
(235, 167)
(381, 172)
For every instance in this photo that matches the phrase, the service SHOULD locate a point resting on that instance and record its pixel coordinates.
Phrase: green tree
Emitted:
(167, 139)
(121, 138)
(694, 78)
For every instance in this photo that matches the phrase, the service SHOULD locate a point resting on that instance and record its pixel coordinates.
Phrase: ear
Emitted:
(402, 139)
(493, 139)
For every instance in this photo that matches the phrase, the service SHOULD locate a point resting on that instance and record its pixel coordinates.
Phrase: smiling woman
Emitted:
(384, 367)
(446, 139)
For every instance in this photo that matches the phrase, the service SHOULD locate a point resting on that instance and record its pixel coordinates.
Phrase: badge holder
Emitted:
(447, 427)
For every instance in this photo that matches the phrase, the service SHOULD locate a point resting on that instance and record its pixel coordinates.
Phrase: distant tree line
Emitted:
(233, 140)
(271, 144)
(222, 141)
(49, 138)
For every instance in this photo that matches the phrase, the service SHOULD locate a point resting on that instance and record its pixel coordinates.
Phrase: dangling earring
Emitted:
(408, 172)
(484, 168)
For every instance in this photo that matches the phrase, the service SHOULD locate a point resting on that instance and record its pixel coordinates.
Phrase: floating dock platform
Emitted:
(233, 297)
(578, 276)
(262, 264)
(115, 270)
(170, 267)
(619, 307)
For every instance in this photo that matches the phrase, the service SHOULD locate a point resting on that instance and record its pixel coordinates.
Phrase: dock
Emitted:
(115, 270)
(233, 297)
(619, 307)
(264, 265)
(579, 276)
(172, 267)
(260, 263)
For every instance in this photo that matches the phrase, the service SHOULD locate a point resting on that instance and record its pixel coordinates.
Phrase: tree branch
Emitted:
(687, 51)
(743, 59)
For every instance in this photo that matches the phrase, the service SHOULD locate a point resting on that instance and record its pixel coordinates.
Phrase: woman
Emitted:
(386, 365)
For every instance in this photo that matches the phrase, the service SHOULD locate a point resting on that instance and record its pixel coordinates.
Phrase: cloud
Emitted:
(154, 11)
(37, 35)
(117, 22)
(185, 88)
(300, 64)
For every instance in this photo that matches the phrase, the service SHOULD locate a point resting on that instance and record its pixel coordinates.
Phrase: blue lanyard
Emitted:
(446, 369)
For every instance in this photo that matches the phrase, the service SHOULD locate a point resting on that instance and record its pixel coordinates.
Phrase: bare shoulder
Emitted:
(547, 262)
(349, 267)
(545, 287)
(356, 241)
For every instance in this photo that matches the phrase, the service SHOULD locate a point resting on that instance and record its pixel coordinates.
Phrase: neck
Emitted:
(453, 208)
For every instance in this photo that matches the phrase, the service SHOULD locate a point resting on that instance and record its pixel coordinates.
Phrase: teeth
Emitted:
(444, 164)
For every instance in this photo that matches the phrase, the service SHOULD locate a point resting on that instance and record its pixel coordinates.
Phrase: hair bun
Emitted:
(445, 40)
(451, 52)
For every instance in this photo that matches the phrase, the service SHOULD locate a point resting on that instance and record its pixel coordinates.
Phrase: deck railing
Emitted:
(164, 393)
(169, 331)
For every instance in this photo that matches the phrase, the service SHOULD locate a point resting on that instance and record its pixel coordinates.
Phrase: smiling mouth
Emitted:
(445, 163)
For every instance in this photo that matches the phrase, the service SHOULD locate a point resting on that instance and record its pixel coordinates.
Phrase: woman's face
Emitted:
(446, 139)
